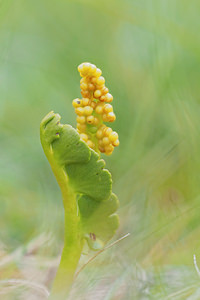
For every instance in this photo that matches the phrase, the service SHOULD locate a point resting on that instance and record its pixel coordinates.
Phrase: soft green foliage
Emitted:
(91, 178)
(87, 179)
(64, 141)
(99, 218)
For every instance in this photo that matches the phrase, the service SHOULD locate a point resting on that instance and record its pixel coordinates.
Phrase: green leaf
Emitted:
(87, 179)
(99, 222)
(64, 141)
(91, 178)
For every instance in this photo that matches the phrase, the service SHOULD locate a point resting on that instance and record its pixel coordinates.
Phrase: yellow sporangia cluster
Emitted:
(94, 109)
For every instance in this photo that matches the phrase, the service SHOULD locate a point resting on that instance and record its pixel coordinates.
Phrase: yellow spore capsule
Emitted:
(88, 110)
(76, 102)
(109, 148)
(85, 68)
(79, 111)
(100, 87)
(98, 72)
(97, 94)
(100, 80)
(111, 117)
(101, 149)
(93, 104)
(105, 90)
(108, 108)
(101, 144)
(81, 127)
(83, 80)
(116, 143)
(99, 109)
(91, 87)
(107, 131)
(80, 68)
(84, 137)
(85, 101)
(105, 140)
(92, 69)
(104, 117)
(84, 86)
(81, 119)
(90, 119)
(99, 134)
(85, 94)
(113, 136)
(109, 97)
(93, 80)
(102, 98)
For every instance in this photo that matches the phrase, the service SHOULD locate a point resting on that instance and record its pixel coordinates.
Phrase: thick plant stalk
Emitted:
(73, 242)
(70, 257)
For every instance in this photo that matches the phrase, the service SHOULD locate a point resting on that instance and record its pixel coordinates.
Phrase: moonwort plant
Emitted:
(86, 186)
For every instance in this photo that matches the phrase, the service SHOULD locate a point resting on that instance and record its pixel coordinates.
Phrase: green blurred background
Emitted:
(149, 51)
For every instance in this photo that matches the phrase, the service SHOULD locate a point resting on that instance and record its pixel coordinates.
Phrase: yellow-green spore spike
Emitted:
(94, 108)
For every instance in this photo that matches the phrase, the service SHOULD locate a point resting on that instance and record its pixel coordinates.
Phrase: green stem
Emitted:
(73, 242)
